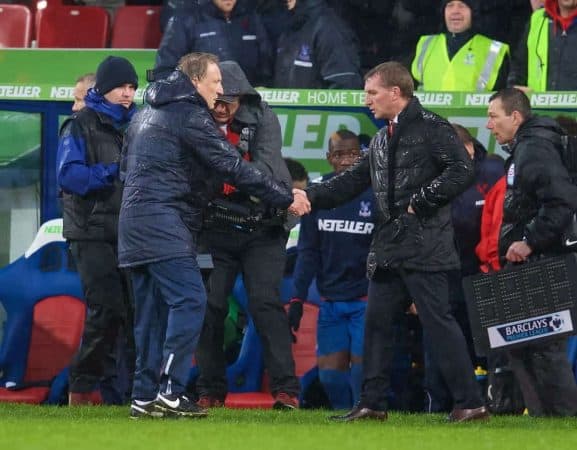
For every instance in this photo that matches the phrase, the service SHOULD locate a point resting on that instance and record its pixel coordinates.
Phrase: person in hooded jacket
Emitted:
(539, 202)
(545, 58)
(255, 250)
(228, 29)
(317, 50)
(173, 152)
(460, 59)
(171, 8)
(87, 175)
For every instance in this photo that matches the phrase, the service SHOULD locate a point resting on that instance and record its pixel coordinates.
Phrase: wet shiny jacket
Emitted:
(173, 150)
(540, 198)
(424, 165)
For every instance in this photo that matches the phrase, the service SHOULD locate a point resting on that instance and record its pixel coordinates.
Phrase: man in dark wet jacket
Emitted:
(226, 28)
(539, 202)
(416, 166)
(256, 249)
(317, 51)
(173, 150)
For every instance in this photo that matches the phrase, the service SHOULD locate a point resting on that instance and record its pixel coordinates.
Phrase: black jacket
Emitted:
(172, 152)
(429, 168)
(241, 38)
(540, 197)
(317, 51)
(93, 216)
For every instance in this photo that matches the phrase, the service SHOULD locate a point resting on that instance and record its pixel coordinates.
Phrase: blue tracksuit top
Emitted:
(74, 173)
(333, 246)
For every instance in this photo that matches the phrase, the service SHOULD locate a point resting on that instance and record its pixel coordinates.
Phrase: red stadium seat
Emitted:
(72, 27)
(15, 26)
(57, 326)
(136, 27)
(36, 5)
(304, 354)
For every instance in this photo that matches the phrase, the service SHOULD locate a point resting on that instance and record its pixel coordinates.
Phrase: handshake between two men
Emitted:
(301, 204)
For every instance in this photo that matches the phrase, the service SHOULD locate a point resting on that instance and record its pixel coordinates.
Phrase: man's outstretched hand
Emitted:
(300, 205)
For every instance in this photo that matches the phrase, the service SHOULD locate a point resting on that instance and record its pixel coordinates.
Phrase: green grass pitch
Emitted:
(107, 428)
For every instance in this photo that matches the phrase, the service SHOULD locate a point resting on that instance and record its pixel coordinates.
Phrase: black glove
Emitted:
(295, 313)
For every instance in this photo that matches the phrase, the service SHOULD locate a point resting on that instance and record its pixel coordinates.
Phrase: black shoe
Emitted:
(467, 415)
(179, 406)
(140, 409)
(359, 413)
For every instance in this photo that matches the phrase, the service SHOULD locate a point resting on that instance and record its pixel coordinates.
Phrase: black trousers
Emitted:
(545, 377)
(108, 325)
(260, 258)
(391, 290)
(439, 398)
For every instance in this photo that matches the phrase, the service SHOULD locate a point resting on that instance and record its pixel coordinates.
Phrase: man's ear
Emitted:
(328, 155)
(517, 118)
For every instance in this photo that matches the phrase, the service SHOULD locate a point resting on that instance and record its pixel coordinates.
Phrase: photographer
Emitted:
(244, 236)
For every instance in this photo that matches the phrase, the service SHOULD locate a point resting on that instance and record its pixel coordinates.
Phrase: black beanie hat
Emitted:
(113, 72)
(470, 3)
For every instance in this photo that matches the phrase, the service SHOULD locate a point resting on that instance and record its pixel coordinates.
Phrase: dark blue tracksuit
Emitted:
(333, 247)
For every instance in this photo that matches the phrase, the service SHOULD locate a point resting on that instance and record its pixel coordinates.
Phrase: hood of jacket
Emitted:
(541, 127)
(304, 10)
(552, 9)
(177, 87)
(235, 83)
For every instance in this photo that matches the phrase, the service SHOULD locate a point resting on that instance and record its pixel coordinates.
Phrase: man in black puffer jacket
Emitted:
(415, 172)
(173, 150)
(539, 202)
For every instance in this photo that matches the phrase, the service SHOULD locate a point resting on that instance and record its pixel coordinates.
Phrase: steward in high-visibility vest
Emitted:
(460, 59)
(546, 58)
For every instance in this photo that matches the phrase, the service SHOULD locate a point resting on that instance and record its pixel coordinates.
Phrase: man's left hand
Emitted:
(518, 251)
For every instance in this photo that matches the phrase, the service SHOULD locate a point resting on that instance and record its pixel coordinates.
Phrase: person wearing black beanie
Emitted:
(88, 178)
(460, 59)
(472, 4)
(113, 72)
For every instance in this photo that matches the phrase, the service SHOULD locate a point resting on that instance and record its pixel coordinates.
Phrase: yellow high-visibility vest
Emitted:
(475, 67)
(538, 51)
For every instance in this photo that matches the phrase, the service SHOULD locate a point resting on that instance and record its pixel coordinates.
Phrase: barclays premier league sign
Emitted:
(530, 329)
